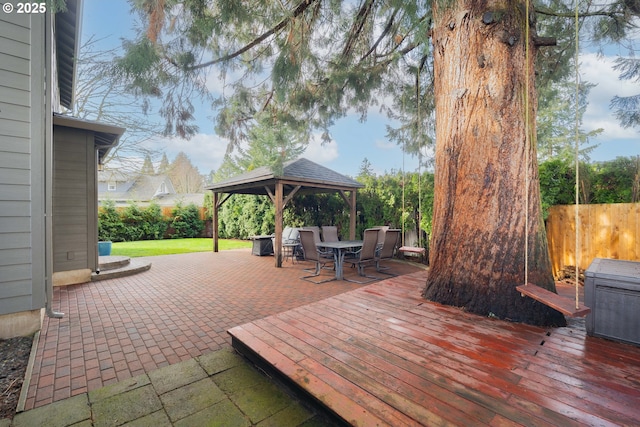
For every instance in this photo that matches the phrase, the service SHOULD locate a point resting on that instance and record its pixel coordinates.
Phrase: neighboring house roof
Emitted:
(115, 175)
(183, 199)
(143, 188)
(312, 176)
(67, 33)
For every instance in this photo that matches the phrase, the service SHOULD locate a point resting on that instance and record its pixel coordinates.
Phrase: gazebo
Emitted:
(300, 176)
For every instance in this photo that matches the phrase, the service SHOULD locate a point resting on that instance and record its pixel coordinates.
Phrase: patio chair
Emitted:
(316, 232)
(382, 229)
(330, 233)
(312, 253)
(388, 249)
(366, 255)
(290, 242)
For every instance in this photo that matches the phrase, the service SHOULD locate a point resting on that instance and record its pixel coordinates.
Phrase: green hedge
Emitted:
(134, 223)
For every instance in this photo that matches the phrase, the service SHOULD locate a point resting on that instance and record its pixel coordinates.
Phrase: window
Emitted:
(111, 186)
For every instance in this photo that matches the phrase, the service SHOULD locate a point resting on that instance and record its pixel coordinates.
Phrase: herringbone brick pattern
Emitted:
(179, 309)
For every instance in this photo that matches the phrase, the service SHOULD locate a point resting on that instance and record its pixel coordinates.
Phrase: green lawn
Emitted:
(173, 246)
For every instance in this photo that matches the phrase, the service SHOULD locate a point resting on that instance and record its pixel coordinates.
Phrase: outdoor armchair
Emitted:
(388, 249)
(330, 233)
(316, 232)
(313, 254)
(367, 254)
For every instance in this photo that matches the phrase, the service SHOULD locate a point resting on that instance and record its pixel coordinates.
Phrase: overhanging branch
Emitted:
(304, 4)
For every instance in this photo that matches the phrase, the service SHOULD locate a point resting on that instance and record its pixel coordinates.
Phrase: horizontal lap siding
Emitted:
(21, 149)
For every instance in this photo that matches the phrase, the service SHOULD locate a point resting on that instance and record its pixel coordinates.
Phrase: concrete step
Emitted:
(112, 262)
(133, 266)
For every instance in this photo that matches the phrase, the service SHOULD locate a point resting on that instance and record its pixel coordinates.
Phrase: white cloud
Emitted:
(321, 153)
(599, 70)
(385, 145)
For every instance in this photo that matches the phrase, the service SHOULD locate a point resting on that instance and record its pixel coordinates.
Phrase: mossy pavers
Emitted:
(174, 376)
(119, 387)
(252, 392)
(293, 415)
(219, 361)
(223, 414)
(124, 407)
(155, 419)
(192, 398)
(62, 413)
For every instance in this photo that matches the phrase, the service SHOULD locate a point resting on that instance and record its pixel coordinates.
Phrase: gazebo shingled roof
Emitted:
(298, 176)
(312, 176)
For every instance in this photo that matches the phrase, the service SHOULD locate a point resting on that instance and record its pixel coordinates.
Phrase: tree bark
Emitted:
(477, 252)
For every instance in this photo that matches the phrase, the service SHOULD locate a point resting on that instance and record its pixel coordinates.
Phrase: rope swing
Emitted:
(551, 299)
(420, 251)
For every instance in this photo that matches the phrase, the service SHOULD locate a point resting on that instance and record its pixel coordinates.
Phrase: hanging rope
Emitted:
(577, 151)
(403, 180)
(576, 154)
(418, 127)
(526, 148)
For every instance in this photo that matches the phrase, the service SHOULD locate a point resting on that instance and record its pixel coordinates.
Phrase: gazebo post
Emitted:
(214, 221)
(352, 216)
(279, 205)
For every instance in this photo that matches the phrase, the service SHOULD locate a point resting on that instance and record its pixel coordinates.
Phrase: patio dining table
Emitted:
(340, 248)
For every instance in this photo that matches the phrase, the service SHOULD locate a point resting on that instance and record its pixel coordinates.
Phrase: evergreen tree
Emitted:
(147, 166)
(164, 164)
(628, 107)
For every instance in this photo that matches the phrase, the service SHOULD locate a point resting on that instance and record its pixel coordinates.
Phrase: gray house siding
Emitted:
(22, 201)
(74, 200)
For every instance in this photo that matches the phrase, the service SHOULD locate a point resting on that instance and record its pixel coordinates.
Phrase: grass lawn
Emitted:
(173, 246)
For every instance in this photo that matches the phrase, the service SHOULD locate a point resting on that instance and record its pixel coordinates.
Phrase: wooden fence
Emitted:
(605, 231)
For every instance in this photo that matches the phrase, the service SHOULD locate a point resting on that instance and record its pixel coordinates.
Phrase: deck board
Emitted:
(382, 355)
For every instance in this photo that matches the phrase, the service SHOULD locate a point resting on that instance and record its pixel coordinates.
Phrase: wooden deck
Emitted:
(382, 355)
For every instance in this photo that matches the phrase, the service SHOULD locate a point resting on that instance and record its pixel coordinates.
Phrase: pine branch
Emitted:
(304, 4)
(387, 30)
(358, 24)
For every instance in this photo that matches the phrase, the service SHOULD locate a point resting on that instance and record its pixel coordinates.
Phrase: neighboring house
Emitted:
(124, 189)
(48, 167)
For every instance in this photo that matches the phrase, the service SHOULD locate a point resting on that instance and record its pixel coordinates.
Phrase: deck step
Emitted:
(133, 266)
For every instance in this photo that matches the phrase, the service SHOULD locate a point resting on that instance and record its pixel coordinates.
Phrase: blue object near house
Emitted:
(104, 248)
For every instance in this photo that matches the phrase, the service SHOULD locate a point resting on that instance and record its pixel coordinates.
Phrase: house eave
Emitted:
(106, 136)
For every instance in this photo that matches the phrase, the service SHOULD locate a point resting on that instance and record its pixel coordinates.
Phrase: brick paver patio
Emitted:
(182, 308)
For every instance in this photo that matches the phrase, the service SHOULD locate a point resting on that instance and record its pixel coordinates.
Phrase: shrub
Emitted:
(153, 223)
(186, 222)
(110, 227)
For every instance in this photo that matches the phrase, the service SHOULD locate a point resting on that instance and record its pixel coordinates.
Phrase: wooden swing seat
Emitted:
(412, 250)
(564, 305)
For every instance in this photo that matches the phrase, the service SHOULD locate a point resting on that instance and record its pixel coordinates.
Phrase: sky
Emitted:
(352, 141)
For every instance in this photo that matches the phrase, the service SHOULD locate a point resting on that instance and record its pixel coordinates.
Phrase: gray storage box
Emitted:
(612, 290)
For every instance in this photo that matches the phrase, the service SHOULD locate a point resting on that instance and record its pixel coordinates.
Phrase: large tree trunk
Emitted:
(477, 253)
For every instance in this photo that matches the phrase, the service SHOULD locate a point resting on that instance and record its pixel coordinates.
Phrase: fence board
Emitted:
(605, 231)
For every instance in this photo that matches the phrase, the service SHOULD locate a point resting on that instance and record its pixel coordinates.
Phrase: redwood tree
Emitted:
(486, 167)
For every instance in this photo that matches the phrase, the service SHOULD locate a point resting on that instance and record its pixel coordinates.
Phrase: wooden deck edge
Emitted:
(305, 398)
